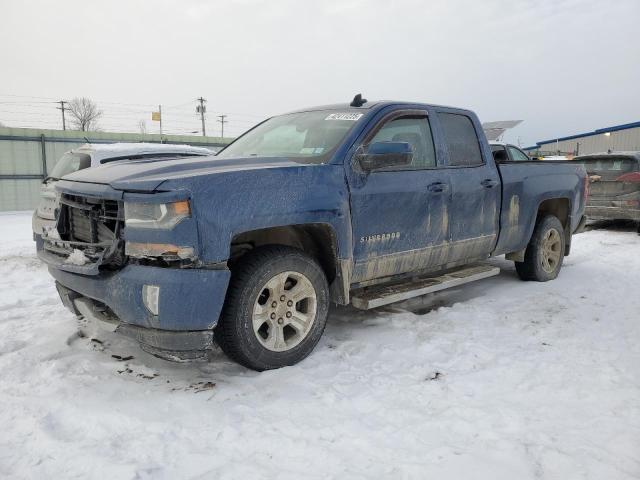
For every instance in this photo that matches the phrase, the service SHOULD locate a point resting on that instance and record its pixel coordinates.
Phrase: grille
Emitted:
(85, 228)
(80, 225)
(93, 226)
(91, 220)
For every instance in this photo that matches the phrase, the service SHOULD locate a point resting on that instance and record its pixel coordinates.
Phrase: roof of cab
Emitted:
(370, 105)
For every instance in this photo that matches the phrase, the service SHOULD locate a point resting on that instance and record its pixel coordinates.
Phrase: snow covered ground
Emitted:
(499, 380)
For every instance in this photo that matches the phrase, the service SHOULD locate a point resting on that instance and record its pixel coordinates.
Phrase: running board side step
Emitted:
(372, 297)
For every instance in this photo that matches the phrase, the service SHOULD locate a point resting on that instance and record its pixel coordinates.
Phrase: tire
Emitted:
(545, 252)
(275, 310)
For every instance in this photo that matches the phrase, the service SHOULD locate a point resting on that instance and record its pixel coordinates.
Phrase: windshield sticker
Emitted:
(352, 117)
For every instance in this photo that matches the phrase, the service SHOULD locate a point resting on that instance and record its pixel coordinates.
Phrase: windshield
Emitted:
(308, 137)
(70, 162)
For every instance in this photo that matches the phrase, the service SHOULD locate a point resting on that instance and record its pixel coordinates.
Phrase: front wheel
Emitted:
(276, 308)
(545, 252)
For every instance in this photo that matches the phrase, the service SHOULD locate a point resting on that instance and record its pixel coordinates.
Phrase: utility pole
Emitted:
(63, 108)
(222, 122)
(201, 109)
(160, 112)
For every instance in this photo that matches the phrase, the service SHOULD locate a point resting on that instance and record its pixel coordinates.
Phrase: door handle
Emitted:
(488, 183)
(438, 187)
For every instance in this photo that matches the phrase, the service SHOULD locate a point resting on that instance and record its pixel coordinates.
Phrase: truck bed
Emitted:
(525, 186)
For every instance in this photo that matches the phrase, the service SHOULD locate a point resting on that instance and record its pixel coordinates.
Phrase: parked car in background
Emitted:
(614, 185)
(365, 203)
(92, 155)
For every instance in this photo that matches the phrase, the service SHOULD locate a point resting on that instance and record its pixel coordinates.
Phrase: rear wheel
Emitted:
(545, 252)
(276, 308)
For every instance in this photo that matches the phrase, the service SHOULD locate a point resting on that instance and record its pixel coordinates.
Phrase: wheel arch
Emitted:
(559, 207)
(319, 240)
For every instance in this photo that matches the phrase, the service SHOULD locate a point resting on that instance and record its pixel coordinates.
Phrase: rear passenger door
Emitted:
(475, 189)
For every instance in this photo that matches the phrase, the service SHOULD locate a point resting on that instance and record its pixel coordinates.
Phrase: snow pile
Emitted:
(500, 379)
(77, 257)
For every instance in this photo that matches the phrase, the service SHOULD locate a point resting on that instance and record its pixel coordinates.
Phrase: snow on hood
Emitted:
(101, 151)
(148, 174)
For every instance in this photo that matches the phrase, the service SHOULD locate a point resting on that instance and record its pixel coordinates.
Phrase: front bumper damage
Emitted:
(189, 304)
(170, 309)
(165, 343)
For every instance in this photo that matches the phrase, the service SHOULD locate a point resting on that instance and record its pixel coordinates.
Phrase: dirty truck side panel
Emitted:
(525, 186)
(475, 193)
(401, 223)
(398, 222)
(271, 197)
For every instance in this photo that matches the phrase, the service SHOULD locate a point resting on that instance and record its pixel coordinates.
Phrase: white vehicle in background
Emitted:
(505, 152)
(93, 155)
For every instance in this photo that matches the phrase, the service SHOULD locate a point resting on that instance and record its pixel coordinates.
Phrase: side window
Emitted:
(462, 141)
(518, 155)
(414, 130)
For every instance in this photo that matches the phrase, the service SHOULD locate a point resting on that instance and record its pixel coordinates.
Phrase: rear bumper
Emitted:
(189, 303)
(612, 213)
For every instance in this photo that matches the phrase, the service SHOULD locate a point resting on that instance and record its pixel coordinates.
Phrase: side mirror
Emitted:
(385, 154)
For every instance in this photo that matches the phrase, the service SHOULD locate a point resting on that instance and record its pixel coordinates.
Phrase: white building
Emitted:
(619, 138)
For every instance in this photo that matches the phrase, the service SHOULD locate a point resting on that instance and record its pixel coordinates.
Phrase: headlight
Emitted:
(156, 215)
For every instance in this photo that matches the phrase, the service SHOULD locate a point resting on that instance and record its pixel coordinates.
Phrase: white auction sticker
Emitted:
(345, 116)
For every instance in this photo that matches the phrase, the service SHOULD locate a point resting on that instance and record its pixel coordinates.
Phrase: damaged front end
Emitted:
(129, 263)
(88, 236)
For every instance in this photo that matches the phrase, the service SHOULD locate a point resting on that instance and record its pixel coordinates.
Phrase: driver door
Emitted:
(399, 215)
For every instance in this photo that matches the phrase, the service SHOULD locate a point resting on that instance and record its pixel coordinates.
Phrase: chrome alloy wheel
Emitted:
(284, 311)
(551, 250)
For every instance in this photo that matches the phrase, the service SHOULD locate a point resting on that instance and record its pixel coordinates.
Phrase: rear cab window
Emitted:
(461, 140)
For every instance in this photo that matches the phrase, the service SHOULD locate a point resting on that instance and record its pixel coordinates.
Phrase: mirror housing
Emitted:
(385, 154)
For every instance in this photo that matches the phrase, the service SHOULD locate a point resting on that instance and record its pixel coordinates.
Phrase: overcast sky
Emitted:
(561, 66)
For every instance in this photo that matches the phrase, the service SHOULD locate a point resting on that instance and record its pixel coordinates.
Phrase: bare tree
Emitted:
(84, 114)
(142, 125)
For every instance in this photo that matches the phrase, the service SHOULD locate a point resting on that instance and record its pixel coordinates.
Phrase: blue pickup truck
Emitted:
(365, 203)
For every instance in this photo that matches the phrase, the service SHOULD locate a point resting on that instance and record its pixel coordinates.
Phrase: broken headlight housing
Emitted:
(163, 216)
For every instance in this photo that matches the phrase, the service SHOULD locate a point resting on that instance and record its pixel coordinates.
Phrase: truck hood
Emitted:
(148, 174)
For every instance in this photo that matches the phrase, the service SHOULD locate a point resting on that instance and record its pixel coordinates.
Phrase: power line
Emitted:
(31, 111)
